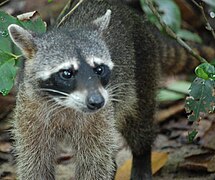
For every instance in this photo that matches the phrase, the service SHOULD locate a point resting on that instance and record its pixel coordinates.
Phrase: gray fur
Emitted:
(103, 22)
(23, 39)
(138, 53)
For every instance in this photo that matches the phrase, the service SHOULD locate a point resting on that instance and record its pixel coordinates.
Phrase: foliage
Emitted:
(205, 71)
(9, 53)
(201, 98)
(192, 135)
(174, 91)
(210, 2)
(171, 15)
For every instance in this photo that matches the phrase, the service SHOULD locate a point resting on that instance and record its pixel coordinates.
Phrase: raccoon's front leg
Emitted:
(35, 155)
(34, 144)
(94, 157)
(140, 132)
(141, 166)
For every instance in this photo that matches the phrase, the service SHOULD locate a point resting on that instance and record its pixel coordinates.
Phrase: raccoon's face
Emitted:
(79, 83)
(73, 67)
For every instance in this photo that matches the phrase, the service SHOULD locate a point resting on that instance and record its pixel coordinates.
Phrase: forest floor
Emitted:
(173, 157)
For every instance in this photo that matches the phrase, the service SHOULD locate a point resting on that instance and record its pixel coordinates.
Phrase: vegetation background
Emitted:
(173, 157)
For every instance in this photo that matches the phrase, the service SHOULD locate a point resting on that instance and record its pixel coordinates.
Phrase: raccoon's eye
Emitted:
(66, 73)
(100, 70)
(103, 72)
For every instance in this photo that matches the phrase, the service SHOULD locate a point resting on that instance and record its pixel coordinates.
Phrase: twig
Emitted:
(4, 2)
(208, 26)
(172, 34)
(65, 9)
(69, 13)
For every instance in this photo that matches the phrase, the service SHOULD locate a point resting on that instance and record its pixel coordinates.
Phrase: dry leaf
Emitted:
(5, 147)
(162, 115)
(208, 140)
(159, 159)
(204, 162)
(7, 103)
(8, 176)
(189, 13)
(64, 158)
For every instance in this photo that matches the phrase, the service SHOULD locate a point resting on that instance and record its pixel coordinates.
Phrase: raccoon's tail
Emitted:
(176, 59)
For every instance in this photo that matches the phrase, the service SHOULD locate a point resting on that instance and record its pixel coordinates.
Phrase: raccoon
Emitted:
(94, 77)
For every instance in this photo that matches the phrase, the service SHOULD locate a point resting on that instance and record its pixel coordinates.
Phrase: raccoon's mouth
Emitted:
(80, 106)
(90, 111)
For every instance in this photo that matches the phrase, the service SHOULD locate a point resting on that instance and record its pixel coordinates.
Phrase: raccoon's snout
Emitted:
(95, 101)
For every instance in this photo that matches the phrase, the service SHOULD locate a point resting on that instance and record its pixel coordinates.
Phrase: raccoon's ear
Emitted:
(102, 22)
(23, 39)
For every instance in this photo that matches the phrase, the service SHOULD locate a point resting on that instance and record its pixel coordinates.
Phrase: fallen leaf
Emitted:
(208, 140)
(162, 115)
(7, 104)
(64, 158)
(7, 176)
(203, 162)
(159, 159)
(5, 147)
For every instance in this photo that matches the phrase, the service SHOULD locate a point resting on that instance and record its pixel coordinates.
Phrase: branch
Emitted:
(208, 26)
(4, 2)
(69, 13)
(172, 34)
(63, 12)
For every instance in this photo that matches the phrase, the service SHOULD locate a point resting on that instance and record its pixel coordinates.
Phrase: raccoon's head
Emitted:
(73, 67)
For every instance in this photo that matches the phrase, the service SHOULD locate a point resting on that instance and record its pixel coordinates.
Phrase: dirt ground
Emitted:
(171, 139)
(191, 161)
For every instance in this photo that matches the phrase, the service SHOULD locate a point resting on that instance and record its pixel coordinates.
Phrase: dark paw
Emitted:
(141, 167)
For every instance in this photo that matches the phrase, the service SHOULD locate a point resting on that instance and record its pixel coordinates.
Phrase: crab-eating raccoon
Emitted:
(92, 78)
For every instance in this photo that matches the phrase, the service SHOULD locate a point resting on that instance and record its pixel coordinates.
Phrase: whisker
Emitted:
(116, 100)
(118, 84)
(55, 91)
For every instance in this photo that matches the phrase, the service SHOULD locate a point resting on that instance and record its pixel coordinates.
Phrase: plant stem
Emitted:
(69, 13)
(4, 2)
(172, 34)
(65, 9)
(208, 26)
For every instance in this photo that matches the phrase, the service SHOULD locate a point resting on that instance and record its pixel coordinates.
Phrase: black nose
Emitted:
(95, 101)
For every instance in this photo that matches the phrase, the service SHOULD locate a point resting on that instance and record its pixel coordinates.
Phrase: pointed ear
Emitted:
(23, 39)
(103, 21)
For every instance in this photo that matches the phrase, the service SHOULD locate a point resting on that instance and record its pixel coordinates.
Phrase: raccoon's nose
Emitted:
(95, 101)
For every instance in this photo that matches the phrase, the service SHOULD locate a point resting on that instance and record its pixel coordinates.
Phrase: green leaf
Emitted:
(149, 14)
(190, 36)
(180, 86)
(175, 91)
(169, 12)
(192, 135)
(201, 100)
(5, 21)
(9, 53)
(7, 75)
(205, 71)
(167, 95)
(32, 21)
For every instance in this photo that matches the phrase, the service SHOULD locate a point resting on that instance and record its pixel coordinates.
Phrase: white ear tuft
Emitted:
(23, 39)
(103, 22)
